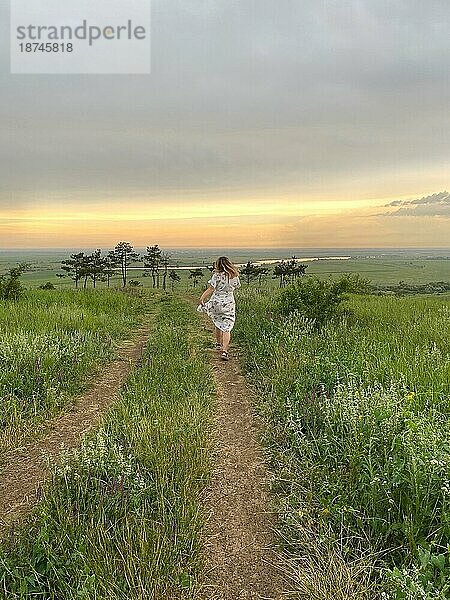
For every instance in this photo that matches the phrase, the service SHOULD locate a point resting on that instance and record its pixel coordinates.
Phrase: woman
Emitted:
(221, 307)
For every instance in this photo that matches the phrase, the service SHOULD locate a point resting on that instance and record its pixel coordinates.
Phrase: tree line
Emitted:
(83, 268)
(287, 271)
(95, 267)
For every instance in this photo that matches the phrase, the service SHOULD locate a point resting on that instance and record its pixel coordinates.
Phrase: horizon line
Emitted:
(65, 248)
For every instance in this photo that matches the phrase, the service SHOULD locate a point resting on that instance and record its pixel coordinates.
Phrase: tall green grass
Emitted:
(358, 416)
(50, 342)
(122, 516)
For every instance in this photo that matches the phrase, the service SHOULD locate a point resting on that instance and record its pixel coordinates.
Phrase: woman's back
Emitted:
(223, 283)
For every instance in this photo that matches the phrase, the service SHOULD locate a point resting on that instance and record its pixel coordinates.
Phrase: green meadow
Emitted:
(51, 343)
(382, 268)
(357, 425)
(121, 517)
(355, 413)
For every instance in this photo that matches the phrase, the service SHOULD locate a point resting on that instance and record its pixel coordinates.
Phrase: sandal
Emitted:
(224, 356)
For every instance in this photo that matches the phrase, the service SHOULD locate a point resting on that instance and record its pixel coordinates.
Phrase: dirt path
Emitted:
(240, 553)
(25, 468)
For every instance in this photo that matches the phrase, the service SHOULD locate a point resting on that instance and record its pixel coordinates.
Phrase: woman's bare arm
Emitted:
(206, 293)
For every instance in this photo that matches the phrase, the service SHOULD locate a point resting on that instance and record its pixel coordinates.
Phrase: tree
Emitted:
(280, 271)
(86, 268)
(174, 277)
(152, 262)
(294, 269)
(95, 266)
(195, 275)
(125, 254)
(165, 259)
(74, 266)
(250, 271)
(10, 286)
(110, 263)
(84, 272)
(289, 271)
(261, 272)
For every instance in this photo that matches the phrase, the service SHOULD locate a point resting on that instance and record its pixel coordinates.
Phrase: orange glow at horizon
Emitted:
(252, 222)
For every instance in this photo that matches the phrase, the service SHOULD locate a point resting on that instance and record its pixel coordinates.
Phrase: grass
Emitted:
(357, 424)
(121, 517)
(382, 270)
(358, 415)
(51, 342)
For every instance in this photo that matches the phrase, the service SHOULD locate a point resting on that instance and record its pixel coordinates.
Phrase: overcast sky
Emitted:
(292, 113)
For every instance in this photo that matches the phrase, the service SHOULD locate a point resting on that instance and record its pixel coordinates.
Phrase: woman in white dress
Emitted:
(221, 306)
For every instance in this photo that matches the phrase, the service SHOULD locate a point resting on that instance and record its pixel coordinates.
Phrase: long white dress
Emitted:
(221, 307)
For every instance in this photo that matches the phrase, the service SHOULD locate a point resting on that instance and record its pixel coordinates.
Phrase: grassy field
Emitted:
(51, 342)
(383, 271)
(357, 430)
(379, 271)
(121, 517)
(357, 425)
(386, 268)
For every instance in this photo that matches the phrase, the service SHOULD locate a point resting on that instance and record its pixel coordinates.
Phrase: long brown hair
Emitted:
(224, 265)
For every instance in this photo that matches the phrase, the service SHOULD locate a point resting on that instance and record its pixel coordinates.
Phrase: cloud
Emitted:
(435, 205)
(242, 96)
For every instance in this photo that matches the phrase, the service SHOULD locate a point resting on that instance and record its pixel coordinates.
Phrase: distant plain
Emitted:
(381, 266)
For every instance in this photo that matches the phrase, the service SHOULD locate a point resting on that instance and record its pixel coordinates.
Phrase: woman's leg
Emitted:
(218, 335)
(226, 335)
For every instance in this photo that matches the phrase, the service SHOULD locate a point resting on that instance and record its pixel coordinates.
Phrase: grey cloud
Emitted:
(431, 206)
(243, 94)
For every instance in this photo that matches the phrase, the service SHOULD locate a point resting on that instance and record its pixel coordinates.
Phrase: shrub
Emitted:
(318, 299)
(47, 286)
(10, 286)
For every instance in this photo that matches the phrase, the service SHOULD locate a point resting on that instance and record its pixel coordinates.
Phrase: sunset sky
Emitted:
(271, 123)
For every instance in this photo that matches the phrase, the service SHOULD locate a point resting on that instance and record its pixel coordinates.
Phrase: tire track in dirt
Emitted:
(25, 469)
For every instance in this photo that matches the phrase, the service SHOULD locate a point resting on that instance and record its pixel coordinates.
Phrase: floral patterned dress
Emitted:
(221, 307)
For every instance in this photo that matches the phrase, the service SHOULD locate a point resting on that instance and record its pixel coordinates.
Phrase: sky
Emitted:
(264, 123)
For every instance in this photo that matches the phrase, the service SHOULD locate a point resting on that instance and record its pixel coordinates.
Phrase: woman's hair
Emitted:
(224, 265)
